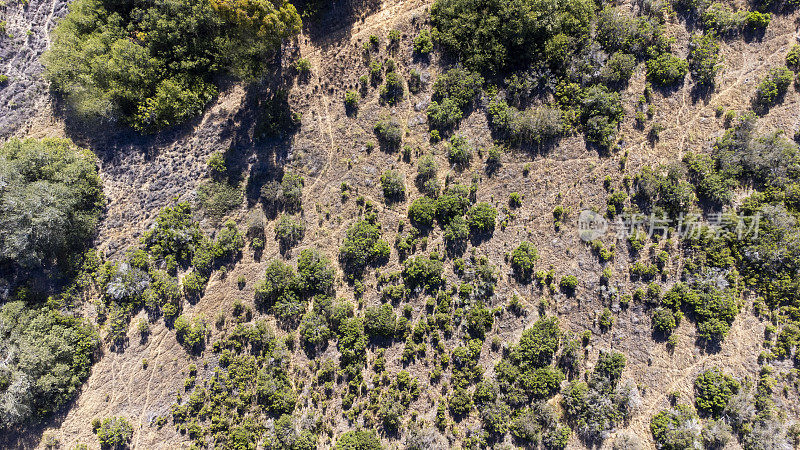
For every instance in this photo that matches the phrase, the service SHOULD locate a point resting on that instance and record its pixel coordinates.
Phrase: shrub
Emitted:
(414, 81)
(190, 333)
(423, 44)
(600, 114)
(568, 283)
(460, 402)
(713, 390)
(444, 116)
(228, 243)
(704, 59)
(359, 440)
(497, 36)
(279, 278)
(481, 218)
(351, 101)
(666, 69)
(537, 345)
(523, 259)
(389, 133)
(392, 91)
(289, 231)
(772, 88)
(533, 126)
(452, 203)
(664, 321)
(216, 165)
(362, 246)
(114, 432)
(793, 58)
(421, 212)
(757, 21)
(675, 429)
(422, 272)
(619, 68)
(315, 273)
(380, 321)
(459, 152)
(393, 185)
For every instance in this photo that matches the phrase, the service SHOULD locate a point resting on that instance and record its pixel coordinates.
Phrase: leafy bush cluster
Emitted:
(285, 292)
(599, 406)
(772, 88)
(113, 432)
(454, 94)
(362, 247)
(165, 75)
(393, 185)
(253, 373)
(529, 127)
(284, 195)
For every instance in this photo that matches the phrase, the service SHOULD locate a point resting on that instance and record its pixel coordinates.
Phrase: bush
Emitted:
(713, 390)
(493, 37)
(772, 88)
(537, 345)
(289, 231)
(51, 202)
(279, 277)
(315, 273)
(389, 133)
(380, 321)
(481, 218)
(422, 272)
(460, 402)
(190, 333)
(359, 440)
(114, 433)
(704, 59)
(459, 152)
(459, 85)
(167, 78)
(444, 116)
(618, 68)
(600, 114)
(757, 21)
(392, 91)
(362, 246)
(523, 259)
(228, 243)
(423, 44)
(568, 283)
(793, 58)
(531, 127)
(666, 69)
(675, 429)
(421, 212)
(393, 185)
(288, 194)
(452, 203)
(664, 321)
(351, 101)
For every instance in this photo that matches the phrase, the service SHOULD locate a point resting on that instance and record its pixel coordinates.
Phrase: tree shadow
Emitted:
(328, 24)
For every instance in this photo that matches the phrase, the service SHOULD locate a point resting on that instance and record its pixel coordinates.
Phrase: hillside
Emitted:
(465, 354)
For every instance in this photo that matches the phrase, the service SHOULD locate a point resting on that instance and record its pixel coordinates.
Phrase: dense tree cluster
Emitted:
(46, 357)
(151, 65)
(51, 199)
